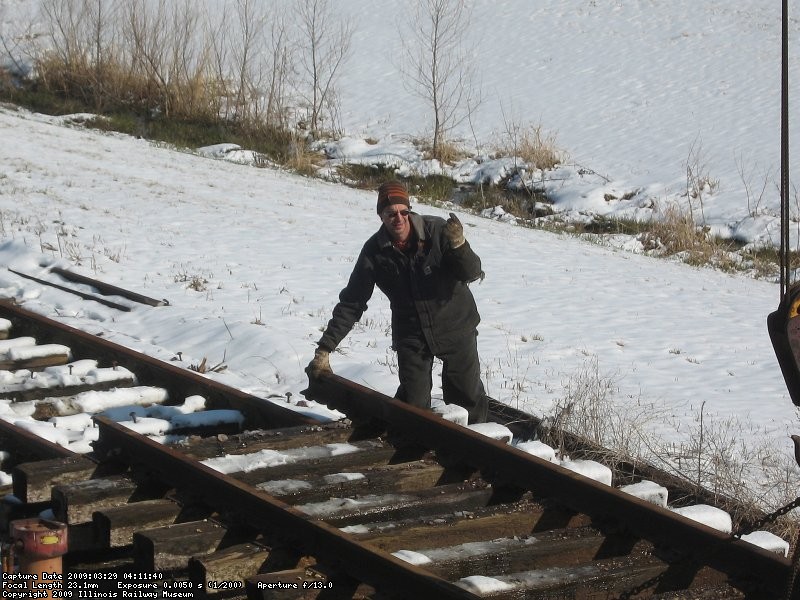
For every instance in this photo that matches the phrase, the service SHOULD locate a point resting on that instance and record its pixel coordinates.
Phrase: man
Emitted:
(423, 264)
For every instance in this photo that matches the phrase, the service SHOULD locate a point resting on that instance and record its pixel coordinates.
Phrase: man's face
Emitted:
(395, 219)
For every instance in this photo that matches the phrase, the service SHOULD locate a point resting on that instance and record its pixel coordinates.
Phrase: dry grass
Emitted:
(447, 152)
(590, 409)
(205, 367)
(115, 86)
(301, 159)
(531, 144)
(539, 148)
(738, 466)
(673, 231)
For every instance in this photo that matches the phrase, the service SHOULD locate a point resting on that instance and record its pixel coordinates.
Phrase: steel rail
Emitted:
(504, 463)
(78, 293)
(177, 381)
(316, 538)
(499, 463)
(29, 445)
(106, 288)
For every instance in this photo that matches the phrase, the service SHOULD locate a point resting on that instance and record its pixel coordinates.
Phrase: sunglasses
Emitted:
(393, 214)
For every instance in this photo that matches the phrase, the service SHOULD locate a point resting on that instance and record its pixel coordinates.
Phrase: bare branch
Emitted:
(437, 66)
(324, 48)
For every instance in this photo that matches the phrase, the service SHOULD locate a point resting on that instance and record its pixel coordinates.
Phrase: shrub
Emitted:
(531, 144)
(742, 477)
(433, 188)
(674, 232)
(367, 177)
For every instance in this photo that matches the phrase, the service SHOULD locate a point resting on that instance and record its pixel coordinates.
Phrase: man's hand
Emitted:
(454, 231)
(320, 364)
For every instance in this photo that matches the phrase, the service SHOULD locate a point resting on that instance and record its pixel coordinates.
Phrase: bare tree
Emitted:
(79, 56)
(276, 96)
(16, 47)
(251, 63)
(437, 66)
(101, 17)
(324, 47)
(170, 52)
(66, 32)
(262, 62)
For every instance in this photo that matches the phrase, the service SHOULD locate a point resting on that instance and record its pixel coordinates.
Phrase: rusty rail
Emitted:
(152, 371)
(107, 289)
(693, 549)
(265, 512)
(78, 293)
(507, 464)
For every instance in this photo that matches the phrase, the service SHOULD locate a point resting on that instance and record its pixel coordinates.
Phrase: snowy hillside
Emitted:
(252, 260)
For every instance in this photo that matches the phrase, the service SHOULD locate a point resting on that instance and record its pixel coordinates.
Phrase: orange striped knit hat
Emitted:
(392, 192)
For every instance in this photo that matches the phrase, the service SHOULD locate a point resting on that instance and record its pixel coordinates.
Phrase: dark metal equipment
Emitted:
(783, 324)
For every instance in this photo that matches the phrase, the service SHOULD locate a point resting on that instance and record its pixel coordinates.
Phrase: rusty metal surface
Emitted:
(506, 463)
(29, 445)
(271, 515)
(500, 465)
(106, 288)
(78, 293)
(180, 383)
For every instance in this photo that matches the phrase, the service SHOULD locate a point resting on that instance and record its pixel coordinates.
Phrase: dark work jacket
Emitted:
(427, 289)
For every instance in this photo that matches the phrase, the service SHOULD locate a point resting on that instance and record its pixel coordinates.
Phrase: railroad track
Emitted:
(249, 498)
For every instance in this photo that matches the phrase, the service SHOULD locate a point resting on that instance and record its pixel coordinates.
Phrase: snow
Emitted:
(649, 491)
(73, 374)
(252, 259)
(46, 431)
(589, 468)
(157, 420)
(768, 541)
(280, 487)
(450, 412)
(496, 547)
(40, 351)
(93, 402)
(232, 463)
(23, 341)
(147, 426)
(493, 430)
(707, 515)
(539, 449)
(329, 508)
(77, 422)
(415, 558)
(481, 585)
(342, 477)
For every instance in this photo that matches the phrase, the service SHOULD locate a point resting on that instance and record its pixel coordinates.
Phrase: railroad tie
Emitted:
(170, 548)
(34, 481)
(114, 526)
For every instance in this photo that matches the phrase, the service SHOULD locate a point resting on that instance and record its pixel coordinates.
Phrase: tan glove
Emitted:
(320, 364)
(454, 231)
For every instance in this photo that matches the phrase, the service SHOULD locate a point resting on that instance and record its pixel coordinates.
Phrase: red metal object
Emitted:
(39, 538)
(38, 545)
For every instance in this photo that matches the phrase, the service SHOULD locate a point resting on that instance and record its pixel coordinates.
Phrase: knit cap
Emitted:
(392, 192)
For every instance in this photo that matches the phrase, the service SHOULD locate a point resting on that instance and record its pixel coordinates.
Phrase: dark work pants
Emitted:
(461, 376)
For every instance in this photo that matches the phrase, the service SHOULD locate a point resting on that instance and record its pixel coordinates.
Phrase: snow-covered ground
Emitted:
(636, 91)
(251, 260)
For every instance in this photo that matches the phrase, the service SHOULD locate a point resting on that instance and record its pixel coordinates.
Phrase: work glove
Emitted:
(319, 364)
(454, 231)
